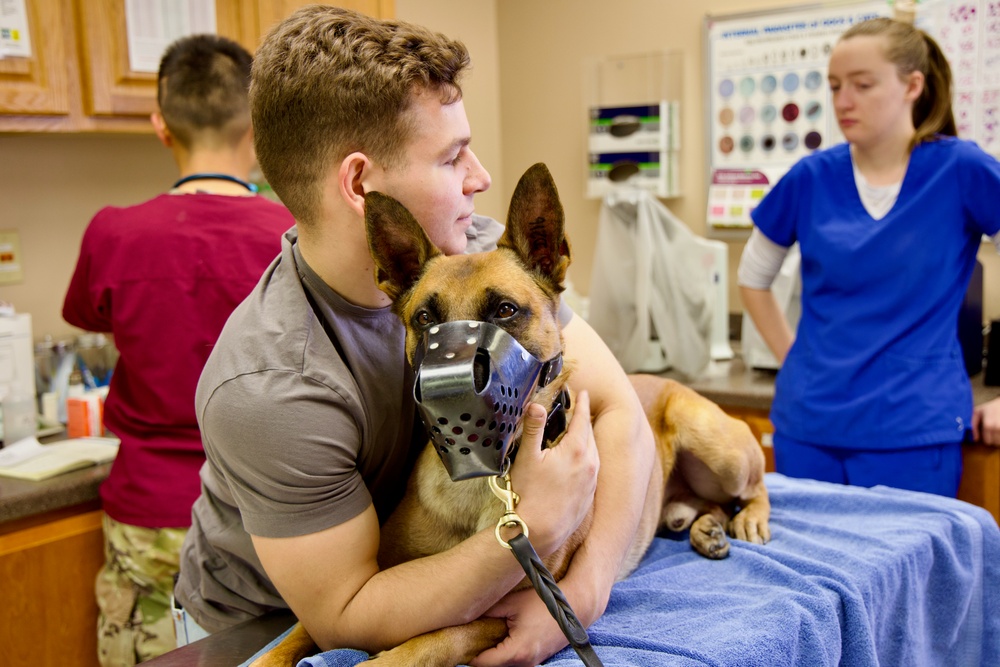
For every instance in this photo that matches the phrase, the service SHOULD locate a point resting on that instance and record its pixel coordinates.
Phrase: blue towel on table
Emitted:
(851, 576)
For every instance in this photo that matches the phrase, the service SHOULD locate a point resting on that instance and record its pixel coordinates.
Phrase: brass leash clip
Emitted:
(510, 499)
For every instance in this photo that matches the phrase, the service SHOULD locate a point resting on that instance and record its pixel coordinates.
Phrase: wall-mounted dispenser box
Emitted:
(647, 127)
(633, 132)
(656, 171)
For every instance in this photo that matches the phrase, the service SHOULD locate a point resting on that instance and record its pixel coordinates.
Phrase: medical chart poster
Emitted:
(768, 99)
(769, 103)
(969, 34)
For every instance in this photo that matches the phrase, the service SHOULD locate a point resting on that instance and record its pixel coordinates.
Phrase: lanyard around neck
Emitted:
(216, 177)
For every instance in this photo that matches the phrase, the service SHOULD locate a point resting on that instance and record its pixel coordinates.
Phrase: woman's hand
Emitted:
(986, 423)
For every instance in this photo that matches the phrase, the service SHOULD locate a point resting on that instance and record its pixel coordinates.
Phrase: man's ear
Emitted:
(350, 180)
(398, 244)
(161, 129)
(535, 226)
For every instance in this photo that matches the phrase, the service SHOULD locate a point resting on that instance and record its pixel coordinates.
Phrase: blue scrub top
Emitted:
(876, 362)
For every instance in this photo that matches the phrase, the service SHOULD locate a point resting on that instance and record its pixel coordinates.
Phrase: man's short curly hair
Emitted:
(328, 82)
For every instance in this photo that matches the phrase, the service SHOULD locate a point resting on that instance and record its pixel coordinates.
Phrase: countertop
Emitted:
(20, 498)
(732, 384)
(728, 383)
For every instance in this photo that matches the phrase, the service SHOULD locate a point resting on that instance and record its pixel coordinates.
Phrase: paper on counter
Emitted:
(22, 450)
(47, 461)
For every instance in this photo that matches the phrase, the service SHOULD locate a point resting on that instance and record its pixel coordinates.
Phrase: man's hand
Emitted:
(986, 423)
(533, 635)
(556, 486)
(624, 442)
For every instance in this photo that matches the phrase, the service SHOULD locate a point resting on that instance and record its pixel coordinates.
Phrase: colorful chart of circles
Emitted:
(772, 116)
(768, 92)
(769, 99)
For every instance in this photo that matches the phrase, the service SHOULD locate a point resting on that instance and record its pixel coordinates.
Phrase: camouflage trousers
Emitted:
(133, 592)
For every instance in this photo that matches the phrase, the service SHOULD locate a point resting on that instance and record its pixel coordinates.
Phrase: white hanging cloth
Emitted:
(649, 272)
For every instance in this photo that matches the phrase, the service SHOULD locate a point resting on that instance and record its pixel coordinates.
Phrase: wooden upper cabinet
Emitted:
(270, 12)
(110, 86)
(40, 84)
(78, 78)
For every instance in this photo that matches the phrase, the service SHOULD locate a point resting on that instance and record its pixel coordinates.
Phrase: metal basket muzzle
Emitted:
(473, 381)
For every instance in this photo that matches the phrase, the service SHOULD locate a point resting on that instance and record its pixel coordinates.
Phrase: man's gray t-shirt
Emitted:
(307, 417)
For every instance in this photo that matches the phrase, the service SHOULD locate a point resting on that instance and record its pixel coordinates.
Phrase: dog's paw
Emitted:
(677, 516)
(708, 537)
(747, 526)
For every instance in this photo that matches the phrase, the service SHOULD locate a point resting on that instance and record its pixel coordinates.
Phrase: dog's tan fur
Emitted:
(711, 462)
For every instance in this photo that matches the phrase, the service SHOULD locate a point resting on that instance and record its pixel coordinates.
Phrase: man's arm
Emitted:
(331, 580)
(625, 443)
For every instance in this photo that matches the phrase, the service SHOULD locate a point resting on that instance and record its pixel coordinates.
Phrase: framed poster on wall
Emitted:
(768, 100)
(968, 32)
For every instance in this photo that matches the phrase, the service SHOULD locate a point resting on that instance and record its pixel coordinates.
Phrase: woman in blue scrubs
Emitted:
(873, 388)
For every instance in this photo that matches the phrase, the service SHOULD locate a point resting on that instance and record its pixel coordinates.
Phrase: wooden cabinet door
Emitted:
(980, 483)
(40, 84)
(270, 12)
(110, 86)
(78, 77)
(48, 611)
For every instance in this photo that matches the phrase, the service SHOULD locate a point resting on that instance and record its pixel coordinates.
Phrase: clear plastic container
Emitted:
(19, 415)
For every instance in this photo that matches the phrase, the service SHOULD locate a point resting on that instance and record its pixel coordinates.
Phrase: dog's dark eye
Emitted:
(423, 319)
(506, 310)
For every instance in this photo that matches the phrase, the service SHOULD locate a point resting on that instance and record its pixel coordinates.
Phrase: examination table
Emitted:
(851, 576)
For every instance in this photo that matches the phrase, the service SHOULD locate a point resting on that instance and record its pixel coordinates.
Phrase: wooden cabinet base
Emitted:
(981, 478)
(48, 615)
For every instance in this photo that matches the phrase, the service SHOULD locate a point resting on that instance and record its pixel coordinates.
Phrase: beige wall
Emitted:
(475, 24)
(543, 48)
(50, 187)
(524, 98)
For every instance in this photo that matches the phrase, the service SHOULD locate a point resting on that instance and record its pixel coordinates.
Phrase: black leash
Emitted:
(545, 585)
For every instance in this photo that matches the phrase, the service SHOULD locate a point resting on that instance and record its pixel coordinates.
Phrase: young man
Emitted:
(306, 406)
(163, 276)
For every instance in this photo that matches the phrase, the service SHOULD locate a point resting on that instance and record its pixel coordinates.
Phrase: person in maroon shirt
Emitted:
(162, 277)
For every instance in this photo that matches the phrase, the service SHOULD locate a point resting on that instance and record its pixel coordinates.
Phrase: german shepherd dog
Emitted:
(708, 464)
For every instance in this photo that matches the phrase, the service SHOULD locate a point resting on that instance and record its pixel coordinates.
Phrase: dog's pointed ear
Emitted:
(397, 242)
(535, 226)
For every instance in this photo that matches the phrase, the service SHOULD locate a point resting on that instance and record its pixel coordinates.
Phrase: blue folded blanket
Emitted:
(851, 576)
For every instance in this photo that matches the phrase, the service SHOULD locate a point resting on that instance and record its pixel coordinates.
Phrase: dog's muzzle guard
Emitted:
(473, 381)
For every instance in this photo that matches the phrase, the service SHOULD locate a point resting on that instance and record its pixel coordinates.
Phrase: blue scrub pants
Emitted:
(931, 468)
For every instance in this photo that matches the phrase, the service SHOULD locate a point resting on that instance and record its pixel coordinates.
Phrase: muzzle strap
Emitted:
(555, 424)
(550, 370)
